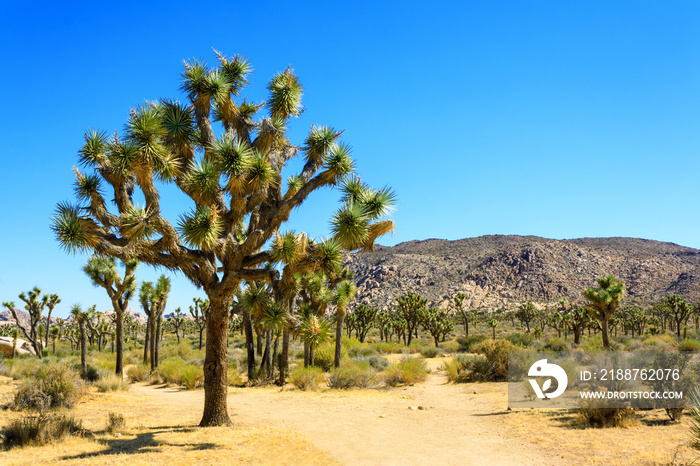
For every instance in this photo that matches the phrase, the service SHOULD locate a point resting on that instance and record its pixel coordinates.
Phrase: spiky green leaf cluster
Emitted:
(135, 223)
(68, 228)
(319, 142)
(94, 148)
(285, 95)
(201, 227)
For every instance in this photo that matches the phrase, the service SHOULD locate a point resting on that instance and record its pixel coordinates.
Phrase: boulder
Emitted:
(23, 347)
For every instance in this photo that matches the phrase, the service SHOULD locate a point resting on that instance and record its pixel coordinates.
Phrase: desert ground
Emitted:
(434, 422)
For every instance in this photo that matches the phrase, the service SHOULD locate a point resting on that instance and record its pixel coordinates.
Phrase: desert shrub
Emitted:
(352, 375)
(450, 346)
(182, 350)
(594, 343)
(689, 345)
(361, 351)
(115, 422)
(22, 367)
(170, 370)
(324, 355)
(40, 430)
(593, 414)
(521, 339)
(430, 352)
(306, 378)
(191, 376)
(695, 417)
(467, 343)
(408, 371)
(388, 347)
(633, 344)
(377, 362)
(660, 342)
(138, 373)
(457, 369)
(54, 386)
(557, 344)
(90, 374)
(496, 354)
(111, 383)
(353, 346)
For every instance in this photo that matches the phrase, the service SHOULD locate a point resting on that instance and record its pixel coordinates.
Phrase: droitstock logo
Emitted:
(542, 368)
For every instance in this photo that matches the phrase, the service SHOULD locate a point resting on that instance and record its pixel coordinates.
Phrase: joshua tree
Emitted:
(103, 273)
(34, 304)
(526, 313)
(55, 334)
(153, 300)
(493, 323)
(603, 301)
(81, 318)
(679, 310)
(51, 302)
(177, 321)
(363, 319)
(409, 307)
(236, 187)
(465, 314)
(342, 295)
(200, 312)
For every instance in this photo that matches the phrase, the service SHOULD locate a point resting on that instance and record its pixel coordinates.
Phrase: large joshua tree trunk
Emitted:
(284, 358)
(216, 366)
(119, 369)
(604, 328)
(340, 317)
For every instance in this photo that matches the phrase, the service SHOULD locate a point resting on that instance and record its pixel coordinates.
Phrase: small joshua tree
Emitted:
(103, 273)
(603, 301)
(34, 304)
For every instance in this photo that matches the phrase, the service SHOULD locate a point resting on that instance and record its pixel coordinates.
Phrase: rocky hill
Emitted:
(499, 270)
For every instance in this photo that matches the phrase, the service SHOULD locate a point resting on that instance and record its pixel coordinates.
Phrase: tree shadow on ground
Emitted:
(145, 442)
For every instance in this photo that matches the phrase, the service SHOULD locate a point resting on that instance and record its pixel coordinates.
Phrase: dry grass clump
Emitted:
(306, 378)
(40, 430)
(111, 383)
(353, 375)
(115, 423)
(138, 373)
(56, 385)
(408, 371)
(593, 414)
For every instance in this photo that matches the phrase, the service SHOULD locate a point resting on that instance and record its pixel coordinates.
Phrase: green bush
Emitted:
(467, 343)
(521, 339)
(111, 383)
(324, 355)
(54, 386)
(182, 350)
(138, 373)
(191, 376)
(408, 371)
(351, 375)
(306, 378)
(170, 370)
(557, 344)
(361, 350)
(388, 348)
(430, 352)
(689, 345)
(450, 346)
(91, 374)
(496, 353)
(374, 361)
(457, 369)
(40, 430)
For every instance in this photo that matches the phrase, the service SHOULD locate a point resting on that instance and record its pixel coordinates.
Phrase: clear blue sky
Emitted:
(551, 118)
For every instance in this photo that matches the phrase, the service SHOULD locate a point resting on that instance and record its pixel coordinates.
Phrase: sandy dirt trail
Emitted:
(429, 423)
